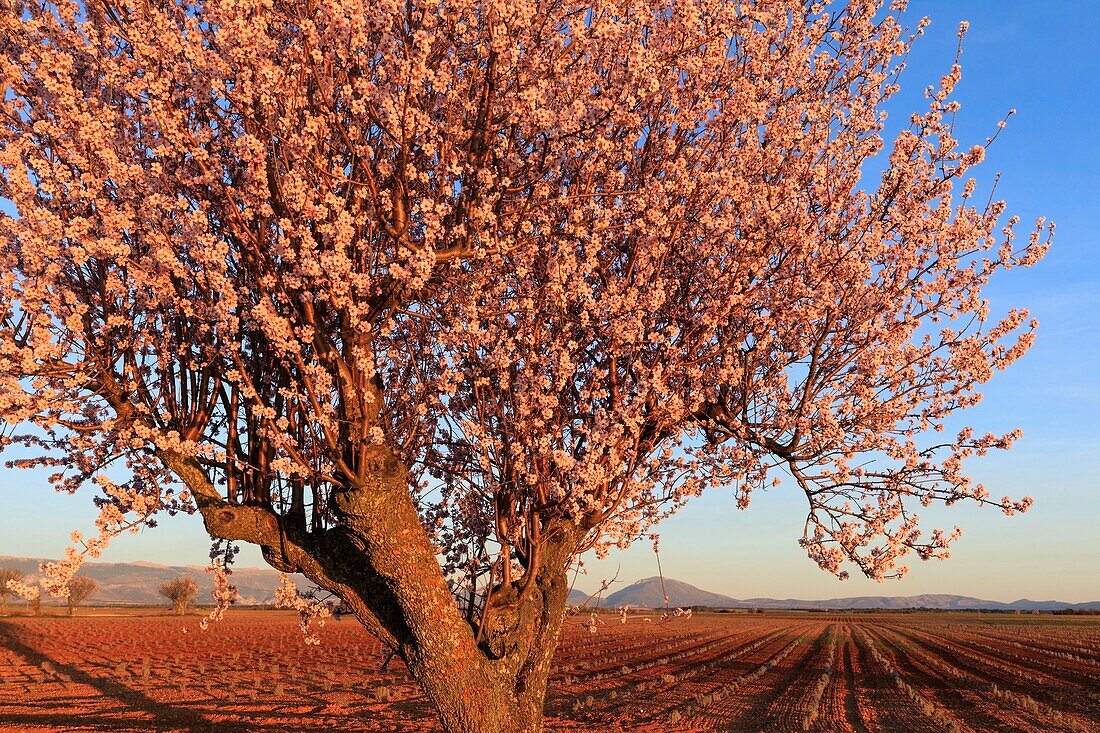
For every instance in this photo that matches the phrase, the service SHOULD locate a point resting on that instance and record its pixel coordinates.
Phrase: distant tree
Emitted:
(424, 297)
(6, 575)
(180, 591)
(81, 587)
(30, 588)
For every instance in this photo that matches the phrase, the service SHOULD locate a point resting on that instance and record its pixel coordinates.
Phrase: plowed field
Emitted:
(773, 673)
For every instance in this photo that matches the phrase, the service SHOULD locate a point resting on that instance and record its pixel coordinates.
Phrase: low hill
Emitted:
(577, 597)
(933, 601)
(136, 583)
(646, 593)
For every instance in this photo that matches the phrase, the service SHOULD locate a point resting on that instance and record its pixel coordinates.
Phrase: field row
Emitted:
(725, 672)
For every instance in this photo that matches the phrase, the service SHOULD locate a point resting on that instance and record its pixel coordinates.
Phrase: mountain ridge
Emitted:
(136, 583)
(646, 593)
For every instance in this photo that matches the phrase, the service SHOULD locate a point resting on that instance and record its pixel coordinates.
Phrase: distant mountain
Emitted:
(647, 594)
(576, 597)
(936, 601)
(136, 583)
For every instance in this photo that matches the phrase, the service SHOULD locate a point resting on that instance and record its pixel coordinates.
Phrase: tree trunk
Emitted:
(504, 694)
(379, 559)
(478, 703)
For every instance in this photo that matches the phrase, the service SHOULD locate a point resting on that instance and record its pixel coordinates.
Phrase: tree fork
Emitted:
(379, 561)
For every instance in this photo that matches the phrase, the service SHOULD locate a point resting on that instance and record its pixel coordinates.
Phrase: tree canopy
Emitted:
(80, 588)
(180, 591)
(427, 299)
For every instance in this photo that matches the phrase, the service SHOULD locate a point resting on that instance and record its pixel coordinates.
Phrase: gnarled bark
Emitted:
(380, 561)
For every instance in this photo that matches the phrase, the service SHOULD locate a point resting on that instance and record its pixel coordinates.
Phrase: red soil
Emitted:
(779, 673)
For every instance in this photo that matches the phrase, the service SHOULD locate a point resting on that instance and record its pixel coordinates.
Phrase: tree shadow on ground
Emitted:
(120, 705)
(165, 716)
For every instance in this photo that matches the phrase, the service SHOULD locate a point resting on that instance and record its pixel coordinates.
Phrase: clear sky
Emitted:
(1037, 57)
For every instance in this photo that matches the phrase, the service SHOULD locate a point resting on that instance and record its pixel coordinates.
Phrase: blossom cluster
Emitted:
(27, 590)
(310, 610)
(224, 594)
(566, 267)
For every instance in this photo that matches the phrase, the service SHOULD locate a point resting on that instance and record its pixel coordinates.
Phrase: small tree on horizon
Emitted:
(429, 299)
(81, 587)
(30, 589)
(180, 591)
(6, 575)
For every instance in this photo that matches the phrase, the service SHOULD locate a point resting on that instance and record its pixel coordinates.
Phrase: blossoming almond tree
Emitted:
(426, 299)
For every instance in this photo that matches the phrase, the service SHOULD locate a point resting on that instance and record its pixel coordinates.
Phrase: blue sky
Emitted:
(1036, 57)
(1039, 58)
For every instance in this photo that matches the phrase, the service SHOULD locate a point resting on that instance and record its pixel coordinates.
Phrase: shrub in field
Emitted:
(180, 591)
(81, 588)
(427, 299)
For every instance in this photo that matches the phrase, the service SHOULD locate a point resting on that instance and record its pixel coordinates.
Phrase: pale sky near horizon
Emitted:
(1035, 57)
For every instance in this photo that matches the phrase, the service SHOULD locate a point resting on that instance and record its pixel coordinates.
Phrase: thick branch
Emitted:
(331, 561)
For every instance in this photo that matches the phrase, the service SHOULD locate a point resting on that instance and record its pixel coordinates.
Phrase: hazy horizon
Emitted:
(591, 586)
